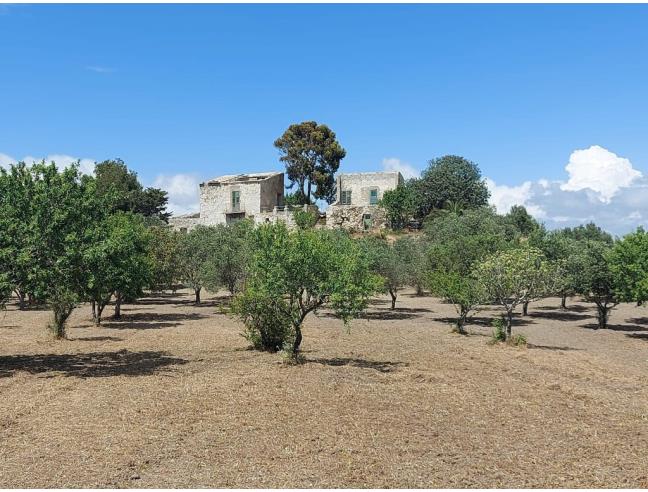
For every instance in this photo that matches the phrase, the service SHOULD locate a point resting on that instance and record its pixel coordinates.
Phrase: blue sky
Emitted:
(187, 92)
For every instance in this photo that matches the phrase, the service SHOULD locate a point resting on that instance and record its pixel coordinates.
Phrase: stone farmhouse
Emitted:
(260, 197)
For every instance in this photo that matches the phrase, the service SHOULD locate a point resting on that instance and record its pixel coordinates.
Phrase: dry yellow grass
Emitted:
(170, 397)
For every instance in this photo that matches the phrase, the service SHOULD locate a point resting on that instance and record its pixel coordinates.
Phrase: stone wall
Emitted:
(361, 184)
(351, 217)
(185, 223)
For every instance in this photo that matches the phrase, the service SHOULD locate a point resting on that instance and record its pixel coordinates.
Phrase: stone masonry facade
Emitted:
(260, 196)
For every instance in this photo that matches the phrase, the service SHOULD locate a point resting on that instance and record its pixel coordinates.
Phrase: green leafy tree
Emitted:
(399, 205)
(196, 249)
(595, 279)
(522, 220)
(387, 261)
(62, 208)
(588, 232)
(228, 260)
(628, 261)
(117, 261)
(305, 219)
(312, 156)
(18, 240)
(510, 278)
(450, 178)
(115, 180)
(460, 289)
(294, 273)
(165, 257)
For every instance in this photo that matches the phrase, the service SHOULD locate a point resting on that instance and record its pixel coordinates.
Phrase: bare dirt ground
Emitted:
(170, 397)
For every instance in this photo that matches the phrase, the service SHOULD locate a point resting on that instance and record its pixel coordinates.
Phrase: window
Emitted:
(373, 196)
(345, 197)
(236, 200)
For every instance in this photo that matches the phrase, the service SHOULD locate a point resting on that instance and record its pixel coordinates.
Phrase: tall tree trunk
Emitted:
(308, 198)
(197, 292)
(563, 302)
(21, 299)
(525, 308)
(509, 324)
(392, 293)
(602, 314)
(298, 340)
(118, 302)
(94, 311)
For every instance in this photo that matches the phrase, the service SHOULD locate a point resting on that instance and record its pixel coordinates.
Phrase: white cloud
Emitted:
(504, 197)
(394, 164)
(610, 192)
(599, 170)
(182, 190)
(86, 166)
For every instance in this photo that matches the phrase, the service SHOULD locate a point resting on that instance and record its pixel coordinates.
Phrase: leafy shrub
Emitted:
(518, 340)
(305, 219)
(499, 330)
(267, 326)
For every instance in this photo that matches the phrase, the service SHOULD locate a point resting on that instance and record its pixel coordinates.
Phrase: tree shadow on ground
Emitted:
(96, 339)
(485, 321)
(559, 315)
(379, 314)
(577, 308)
(380, 366)
(638, 336)
(639, 321)
(173, 300)
(150, 321)
(594, 326)
(551, 347)
(95, 364)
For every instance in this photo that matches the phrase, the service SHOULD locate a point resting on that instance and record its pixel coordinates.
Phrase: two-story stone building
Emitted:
(260, 196)
(358, 194)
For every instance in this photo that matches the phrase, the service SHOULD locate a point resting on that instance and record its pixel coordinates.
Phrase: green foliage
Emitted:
(267, 323)
(628, 262)
(462, 290)
(499, 330)
(450, 178)
(51, 214)
(124, 191)
(228, 257)
(195, 251)
(117, 259)
(312, 156)
(519, 218)
(305, 219)
(389, 262)
(514, 277)
(595, 279)
(456, 242)
(165, 256)
(518, 340)
(589, 232)
(295, 273)
(399, 205)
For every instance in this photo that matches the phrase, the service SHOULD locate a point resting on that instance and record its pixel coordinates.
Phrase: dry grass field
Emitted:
(170, 397)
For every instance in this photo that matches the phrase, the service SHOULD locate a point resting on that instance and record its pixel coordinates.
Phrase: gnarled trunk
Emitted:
(197, 293)
(525, 308)
(563, 302)
(60, 314)
(509, 324)
(602, 315)
(21, 299)
(393, 295)
(118, 303)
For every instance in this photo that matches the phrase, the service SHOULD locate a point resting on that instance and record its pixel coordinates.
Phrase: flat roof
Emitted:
(242, 178)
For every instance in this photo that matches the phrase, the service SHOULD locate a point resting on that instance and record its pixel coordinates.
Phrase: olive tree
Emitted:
(595, 279)
(195, 251)
(628, 261)
(165, 258)
(227, 260)
(510, 278)
(460, 289)
(389, 262)
(293, 273)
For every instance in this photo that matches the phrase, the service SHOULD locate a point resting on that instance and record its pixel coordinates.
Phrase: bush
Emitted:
(305, 219)
(518, 340)
(267, 326)
(499, 330)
